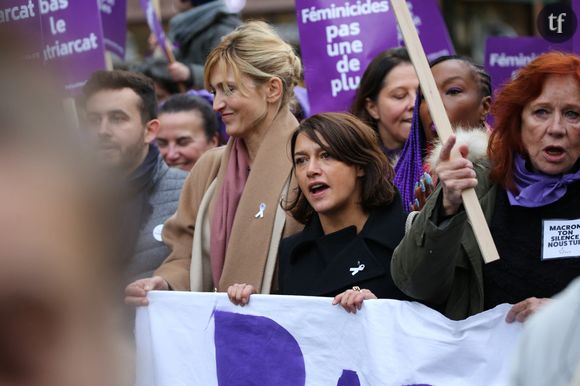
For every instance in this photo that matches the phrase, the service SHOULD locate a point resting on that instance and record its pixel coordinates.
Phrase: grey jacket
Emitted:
(197, 31)
(163, 196)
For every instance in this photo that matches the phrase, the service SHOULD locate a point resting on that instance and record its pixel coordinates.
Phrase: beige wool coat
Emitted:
(251, 254)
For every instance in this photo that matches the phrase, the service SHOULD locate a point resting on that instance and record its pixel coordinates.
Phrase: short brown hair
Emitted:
(347, 139)
(119, 79)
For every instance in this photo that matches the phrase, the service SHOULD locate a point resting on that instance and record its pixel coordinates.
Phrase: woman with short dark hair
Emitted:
(189, 128)
(352, 213)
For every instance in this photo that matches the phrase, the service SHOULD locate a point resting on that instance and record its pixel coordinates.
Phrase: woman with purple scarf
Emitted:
(528, 189)
(465, 90)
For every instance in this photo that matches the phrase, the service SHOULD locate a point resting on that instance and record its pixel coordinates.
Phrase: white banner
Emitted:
(186, 338)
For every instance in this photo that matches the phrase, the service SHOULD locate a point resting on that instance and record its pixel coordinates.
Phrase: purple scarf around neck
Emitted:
(228, 198)
(538, 189)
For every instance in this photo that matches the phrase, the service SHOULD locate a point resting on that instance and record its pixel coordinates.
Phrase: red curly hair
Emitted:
(509, 103)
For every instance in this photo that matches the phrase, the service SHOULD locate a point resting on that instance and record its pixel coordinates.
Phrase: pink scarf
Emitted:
(226, 206)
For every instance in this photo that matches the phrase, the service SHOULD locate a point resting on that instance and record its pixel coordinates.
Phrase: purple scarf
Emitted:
(538, 189)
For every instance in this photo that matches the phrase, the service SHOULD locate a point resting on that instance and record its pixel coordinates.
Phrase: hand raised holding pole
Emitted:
(152, 12)
(444, 130)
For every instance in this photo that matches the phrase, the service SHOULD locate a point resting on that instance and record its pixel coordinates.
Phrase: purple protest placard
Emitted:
(430, 27)
(72, 40)
(575, 44)
(505, 55)
(114, 19)
(339, 40)
(21, 18)
(156, 27)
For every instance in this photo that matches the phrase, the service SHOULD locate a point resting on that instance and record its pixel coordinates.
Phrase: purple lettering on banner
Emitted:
(114, 18)
(72, 40)
(339, 40)
(422, 384)
(348, 378)
(505, 55)
(255, 350)
(155, 25)
(21, 18)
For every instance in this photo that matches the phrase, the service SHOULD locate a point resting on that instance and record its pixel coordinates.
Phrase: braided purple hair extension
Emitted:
(409, 168)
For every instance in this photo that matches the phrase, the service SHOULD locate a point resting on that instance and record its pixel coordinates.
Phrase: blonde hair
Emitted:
(255, 50)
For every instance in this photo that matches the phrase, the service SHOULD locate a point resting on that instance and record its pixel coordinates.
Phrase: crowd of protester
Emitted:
(234, 187)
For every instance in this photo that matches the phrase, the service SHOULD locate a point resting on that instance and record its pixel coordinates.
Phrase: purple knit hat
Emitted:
(409, 168)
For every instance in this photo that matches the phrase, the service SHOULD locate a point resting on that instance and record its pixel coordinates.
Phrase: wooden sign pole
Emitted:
(442, 124)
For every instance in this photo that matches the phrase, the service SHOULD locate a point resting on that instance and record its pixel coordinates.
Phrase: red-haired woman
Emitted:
(528, 190)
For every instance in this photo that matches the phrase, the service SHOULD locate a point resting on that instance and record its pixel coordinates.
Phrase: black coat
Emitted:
(314, 264)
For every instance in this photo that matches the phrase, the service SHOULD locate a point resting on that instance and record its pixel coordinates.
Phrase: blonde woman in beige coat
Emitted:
(229, 222)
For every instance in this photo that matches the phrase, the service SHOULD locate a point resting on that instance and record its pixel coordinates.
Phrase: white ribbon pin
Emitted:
(260, 213)
(356, 270)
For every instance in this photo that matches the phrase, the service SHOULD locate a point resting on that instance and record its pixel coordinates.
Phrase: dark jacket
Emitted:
(160, 200)
(197, 31)
(442, 265)
(315, 264)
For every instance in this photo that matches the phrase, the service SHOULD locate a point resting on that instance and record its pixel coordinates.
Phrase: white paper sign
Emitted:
(186, 338)
(561, 239)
